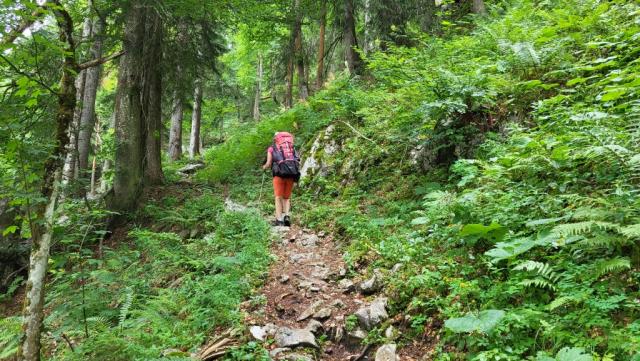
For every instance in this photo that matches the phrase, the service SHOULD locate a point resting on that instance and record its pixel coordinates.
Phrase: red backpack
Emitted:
(286, 160)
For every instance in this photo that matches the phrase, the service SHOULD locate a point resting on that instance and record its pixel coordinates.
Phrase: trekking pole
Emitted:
(261, 187)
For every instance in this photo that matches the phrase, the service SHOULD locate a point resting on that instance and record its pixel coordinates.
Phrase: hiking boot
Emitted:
(277, 223)
(287, 221)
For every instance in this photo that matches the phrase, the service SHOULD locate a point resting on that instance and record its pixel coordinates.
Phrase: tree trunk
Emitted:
(153, 116)
(41, 233)
(87, 115)
(477, 6)
(303, 89)
(258, 95)
(196, 117)
(352, 58)
(175, 132)
(107, 164)
(288, 95)
(129, 122)
(428, 20)
(70, 165)
(367, 43)
(323, 25)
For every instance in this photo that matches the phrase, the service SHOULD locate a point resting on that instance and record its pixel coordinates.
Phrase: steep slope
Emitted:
(499, 167)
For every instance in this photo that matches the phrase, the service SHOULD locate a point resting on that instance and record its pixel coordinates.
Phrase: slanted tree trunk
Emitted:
(87, 115)
(175, 132)
(129, 121)
(477, 6)
(352, 58)
(153, 116)
(258, 94)
(41, 233)
(196, 118)
(323, 25)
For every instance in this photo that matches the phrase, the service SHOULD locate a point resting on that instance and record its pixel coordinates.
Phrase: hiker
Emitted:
(284, 161)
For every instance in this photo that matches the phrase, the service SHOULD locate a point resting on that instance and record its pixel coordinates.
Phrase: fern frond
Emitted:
(561, 301)
(632, 231)
(578, 228)
(124, 308)
(602, 267)
(539, 283)
(542, 269)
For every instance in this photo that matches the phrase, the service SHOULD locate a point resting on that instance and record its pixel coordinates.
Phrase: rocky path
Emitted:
(313, 311)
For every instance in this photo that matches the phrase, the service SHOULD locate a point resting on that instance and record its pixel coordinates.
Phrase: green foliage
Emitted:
(484, 322)
(156, 290)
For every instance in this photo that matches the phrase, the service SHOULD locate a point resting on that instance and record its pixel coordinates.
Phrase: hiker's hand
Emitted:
(264, 167)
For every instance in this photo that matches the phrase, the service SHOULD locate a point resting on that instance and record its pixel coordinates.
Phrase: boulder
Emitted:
(323, 313)
(314, 326)
(346, 285)
(355, 337)
(310, 311)
(372, 315)
(297, 357)
(373, 284)
(258, 332)
(386, 352)
(291, 338)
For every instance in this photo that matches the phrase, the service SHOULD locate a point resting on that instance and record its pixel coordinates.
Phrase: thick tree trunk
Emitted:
(87, 117)
(175, 132)
(352, 58)
(303, 89)
(477, 6)
(196, 118)
(258, 94)
(153, 116)
(323, 25)
(288, 95)
(42, 233)
(129, 123)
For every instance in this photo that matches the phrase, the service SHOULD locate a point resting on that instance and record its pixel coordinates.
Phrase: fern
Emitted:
(605, 266)
(561, 301)
(578, 228)
(124, 308)
(538, 282)
(632, 231)
(540, 268)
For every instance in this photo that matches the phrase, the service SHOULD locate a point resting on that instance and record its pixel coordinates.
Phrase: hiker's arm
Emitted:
(267, 164)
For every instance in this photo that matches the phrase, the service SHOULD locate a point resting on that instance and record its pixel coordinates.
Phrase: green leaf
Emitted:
(613, 94)
(420, 221)
(484, 322)
(10, 229)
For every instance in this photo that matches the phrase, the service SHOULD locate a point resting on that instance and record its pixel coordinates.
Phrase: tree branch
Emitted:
(100, 61)
(13, 34)
(31, 77)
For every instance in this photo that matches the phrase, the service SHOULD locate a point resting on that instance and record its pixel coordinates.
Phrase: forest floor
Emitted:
(309, 303)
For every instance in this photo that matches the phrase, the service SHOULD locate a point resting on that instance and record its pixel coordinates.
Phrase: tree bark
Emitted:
(42, 233)
(87, 115)
(129, 123)
(258, 94)
(477, 6)
(107, 164)
(153, 116)
(303, 89)
(175, 132)
(70, 164)
(323, 25)
(196, 117)
(288, 95)
(352, 57)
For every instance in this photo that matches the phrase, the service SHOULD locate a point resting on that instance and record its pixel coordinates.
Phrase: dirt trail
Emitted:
(305, 278)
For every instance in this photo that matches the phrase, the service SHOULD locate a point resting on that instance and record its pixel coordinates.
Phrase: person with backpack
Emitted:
(284, 161)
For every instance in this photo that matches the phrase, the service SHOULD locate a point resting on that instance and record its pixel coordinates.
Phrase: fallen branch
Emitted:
(214, 349)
